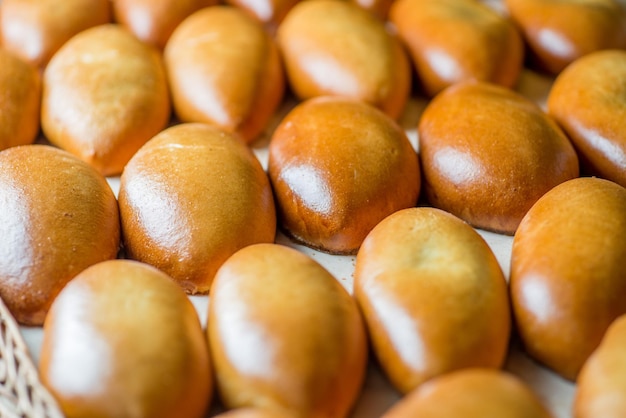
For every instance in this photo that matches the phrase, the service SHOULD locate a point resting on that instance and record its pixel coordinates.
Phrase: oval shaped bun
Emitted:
(35, 30)
(191, 197)
(104, 95)
(285, 334)
(123, 340)
(411, 269)
(338, 167)
(567, 271)
(59, 216)
(224, 69)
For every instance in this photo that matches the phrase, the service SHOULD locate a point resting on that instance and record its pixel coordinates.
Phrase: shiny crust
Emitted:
(424, 279)
(458, 40)
(153, 21)
(338, 167)
(59, 217)
(283, 333)
(20, 101)
(559, 32)
(488, 154)
(588, 100)
(35, 29)
(473, 393)
(190, 198)
(567, 271)
(224, 69)
(123, 340)
(321, 37)
(104, 95)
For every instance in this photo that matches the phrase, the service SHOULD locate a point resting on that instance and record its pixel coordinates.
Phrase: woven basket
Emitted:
(21, 393)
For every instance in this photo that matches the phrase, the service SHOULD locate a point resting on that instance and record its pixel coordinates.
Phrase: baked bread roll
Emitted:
(433, 297)
(458, 40)
(567, 272)
(601, 386)
(559, 32)
(488, 154)
(123, 340)
(35, 29)
(336, 48)
(104, 95)
(283, 333)
(588, 100)
(190, 198)
(153, 21)
(20, 101)
(224, 69)
(473, 393)
(59, 217)
(338, 167)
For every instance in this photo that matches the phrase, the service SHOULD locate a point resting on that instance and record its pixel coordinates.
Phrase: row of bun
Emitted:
(171, 95)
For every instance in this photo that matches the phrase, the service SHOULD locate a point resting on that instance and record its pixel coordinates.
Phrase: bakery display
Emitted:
(458, 40)
(488, 154)
(472, 393)
(123, 340)
(559, 32)
(412, 268)
(283, 333)
(567, 271)
(58, 217)
(153, 21)
(601, 384)
(190, 198)
(224, 69)
(335, 48)
(20, 101)
(587, 100)
(104, 95)
(35, 29)
(338, 167)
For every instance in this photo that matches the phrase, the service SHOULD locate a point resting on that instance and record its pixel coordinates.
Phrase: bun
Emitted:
(59, 217)
(104, 95)
(190, 198)
(338, 167)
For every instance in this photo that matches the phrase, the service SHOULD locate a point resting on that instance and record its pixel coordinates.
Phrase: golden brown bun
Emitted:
(336, 48)
(20, 100)
(284, 333)
(104, 95)
(191, 197)
(58, 217)
(224, 69)
(269, 12)
(567, 271)
(433, 297)
(458, 40)
(35, 29)
(488, 154)
(122, 340)
(588, 100)
(601, 383)
(153, 21)
(338, 167)
(558, 32)
(473, 393)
